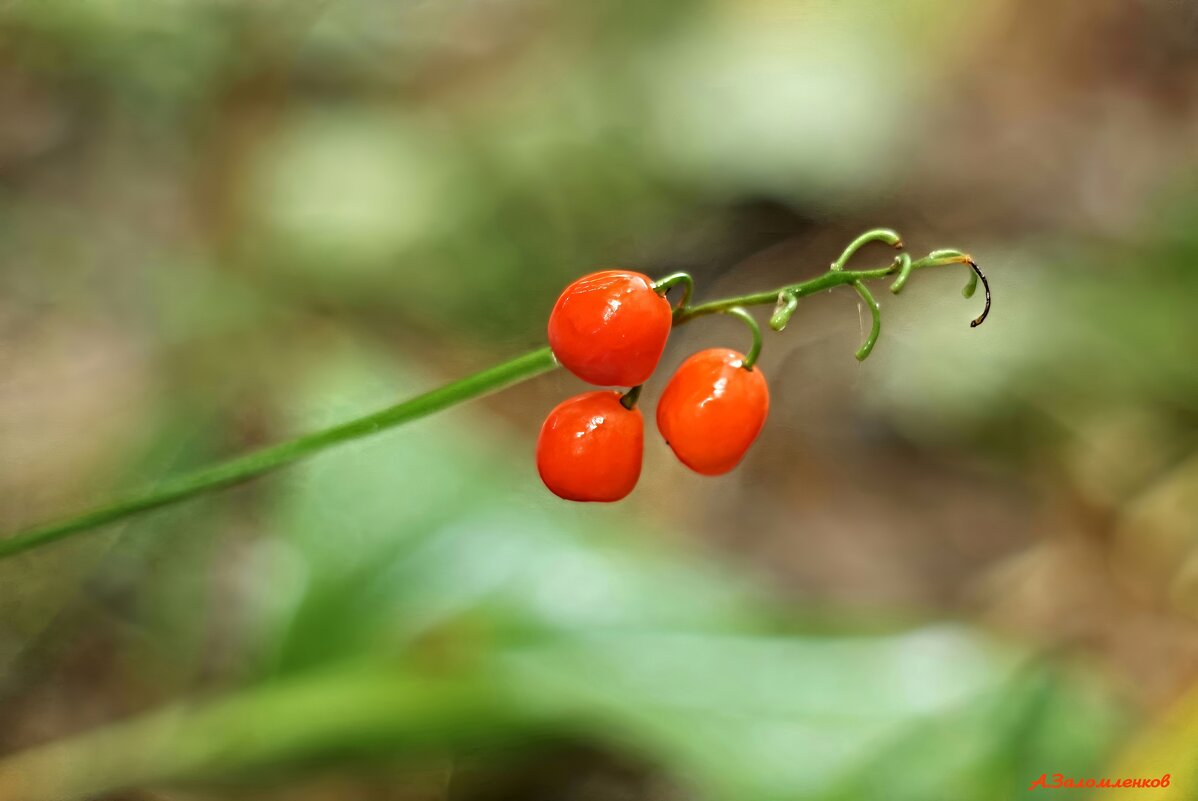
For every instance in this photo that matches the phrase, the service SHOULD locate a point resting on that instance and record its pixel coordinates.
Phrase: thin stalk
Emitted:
(828, 280)
(243, 468)
(521, 368)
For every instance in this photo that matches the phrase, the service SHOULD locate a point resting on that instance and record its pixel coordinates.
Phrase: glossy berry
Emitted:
(712, 410)
(609, 328)
(590, 448)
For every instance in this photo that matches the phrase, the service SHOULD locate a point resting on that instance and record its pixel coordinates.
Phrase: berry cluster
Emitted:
(609, 329)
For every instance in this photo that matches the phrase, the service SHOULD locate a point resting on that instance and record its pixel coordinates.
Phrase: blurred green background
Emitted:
(967, 562)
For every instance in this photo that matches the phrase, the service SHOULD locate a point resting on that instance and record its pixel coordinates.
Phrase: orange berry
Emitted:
(712, 410)
(590, 448)
(609, 328)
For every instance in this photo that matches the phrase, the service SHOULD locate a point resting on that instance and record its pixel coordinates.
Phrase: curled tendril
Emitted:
(787, 303)
(957, 257)
(906, 266)
(876, 326)
(972, 287)
(743, 315)
(664, 285)
(876, 235)
(786, 299)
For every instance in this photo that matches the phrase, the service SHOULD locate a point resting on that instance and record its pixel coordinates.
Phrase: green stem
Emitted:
(664, 285)
(877, 235)
(828, 280)
(519, 369)
(876, 322)
(755, 330)
(256, 463)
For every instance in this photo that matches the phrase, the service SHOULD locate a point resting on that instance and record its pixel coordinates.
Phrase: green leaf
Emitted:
(925, 714)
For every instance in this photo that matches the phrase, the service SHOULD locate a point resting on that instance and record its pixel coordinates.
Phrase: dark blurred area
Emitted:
(966, 562)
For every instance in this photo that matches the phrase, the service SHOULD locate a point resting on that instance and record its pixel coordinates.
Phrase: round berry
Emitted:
(609, 328)
(712, 410)
(590, 448)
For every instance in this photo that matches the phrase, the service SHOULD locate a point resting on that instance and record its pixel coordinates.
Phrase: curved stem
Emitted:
(939, 257)
(521, 368)
(972, 286)
(670, 281)
(876, 327)
(755, 350)
(876, 235)
(905, 264)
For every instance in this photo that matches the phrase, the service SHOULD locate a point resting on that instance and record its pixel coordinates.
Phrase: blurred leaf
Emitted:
(936, 713)
(737, 717)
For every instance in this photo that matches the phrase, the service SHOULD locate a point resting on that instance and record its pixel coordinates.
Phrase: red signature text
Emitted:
(1058, 780)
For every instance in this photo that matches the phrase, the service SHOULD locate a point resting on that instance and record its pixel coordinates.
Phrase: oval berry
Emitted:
(609, 328)
(712, 410)
(590, 448)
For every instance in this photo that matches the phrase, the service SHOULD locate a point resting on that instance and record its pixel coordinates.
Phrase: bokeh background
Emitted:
(940, 574)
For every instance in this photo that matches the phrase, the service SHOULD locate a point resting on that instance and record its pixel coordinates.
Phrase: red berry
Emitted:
(609, 328)
(712, 410)
(590, 448)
